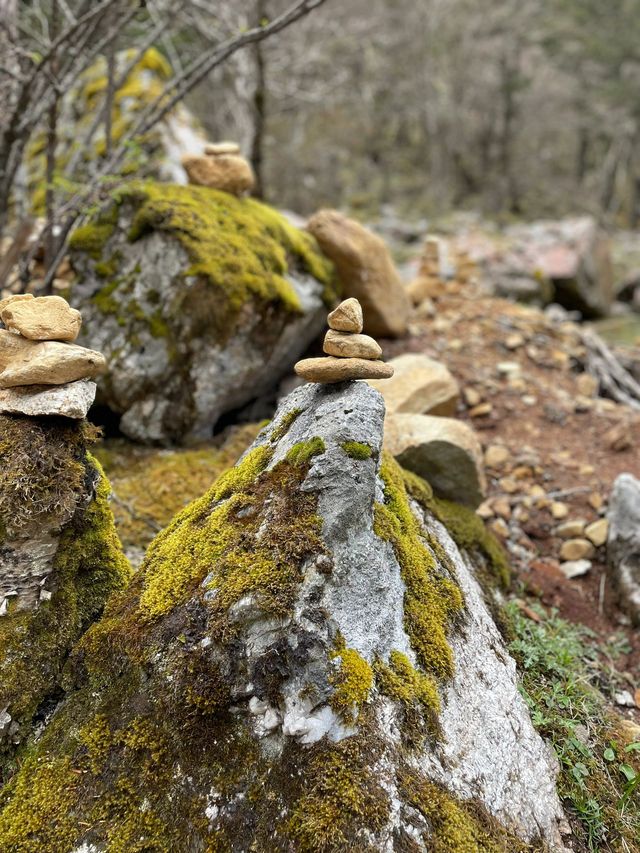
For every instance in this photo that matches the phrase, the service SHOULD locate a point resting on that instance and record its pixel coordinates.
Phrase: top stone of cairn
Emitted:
(347, 317)
(48, 318)
(215, 149)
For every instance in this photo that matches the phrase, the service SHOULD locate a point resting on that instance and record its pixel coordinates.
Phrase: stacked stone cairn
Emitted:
(42, 372)
(350, 354)
(221, 167)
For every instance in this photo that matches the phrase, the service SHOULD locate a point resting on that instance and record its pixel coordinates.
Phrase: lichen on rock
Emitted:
(239, 294)
(265, 681)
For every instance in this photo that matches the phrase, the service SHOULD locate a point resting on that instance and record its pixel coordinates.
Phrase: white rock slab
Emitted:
(72, 400)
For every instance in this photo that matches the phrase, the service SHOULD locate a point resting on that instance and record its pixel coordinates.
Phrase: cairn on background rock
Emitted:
(41, 371)
(221, 167)
(429, 281)
(350, 354)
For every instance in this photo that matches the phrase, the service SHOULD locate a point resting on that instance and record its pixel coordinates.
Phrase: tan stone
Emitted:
(597, 532)
(331, 369)
(559, 510)
(51, 363)
(15, 297)
(347, 345)
(572, 528)
(346, 317)
(12, 346)
(45, 318)
(421, 385)
(587, 385)
(496, 455)
(576, 549)
(228, 172)
(443, 451)
(366, 271)
(425, 287)
(214, 149)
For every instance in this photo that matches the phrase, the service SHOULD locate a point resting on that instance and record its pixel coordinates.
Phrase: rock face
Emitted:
(324, 652)
(59, 560)
(70, 401)
(48, 318)
(420, 385)
(366, 271)
(200, 302)
(443, 451)
(623, 545)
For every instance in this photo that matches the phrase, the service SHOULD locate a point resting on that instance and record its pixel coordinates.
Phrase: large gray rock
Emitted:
(273, 627)
(200, 302)
(623, 545)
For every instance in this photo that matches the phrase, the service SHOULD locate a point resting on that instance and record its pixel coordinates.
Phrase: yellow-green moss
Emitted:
(416, 692)
(456, 826)
(356, 449)
(304, 451)
(152, 485)
(284, 425)
(352, 683)
(431, 600)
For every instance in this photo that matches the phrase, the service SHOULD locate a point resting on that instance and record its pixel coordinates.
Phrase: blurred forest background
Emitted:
(523, 107)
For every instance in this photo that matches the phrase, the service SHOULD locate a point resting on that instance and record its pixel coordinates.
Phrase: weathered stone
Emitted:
(496, 455)
(52, 363)
(623, 543)
(597, 532)
(72, 400)
(576, 549)
(443, 451)
(347, 345)
(571, 529)
(331, 369)
(421, 385)
(16, 297)
(575, 568)
(278, 682)
(13, 346)
(366, 271)
(227, 172)
(182, 347)
(46, 318)
(346, 317)
(214, 149)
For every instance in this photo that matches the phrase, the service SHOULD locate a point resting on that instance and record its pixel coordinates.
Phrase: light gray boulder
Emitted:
(623, 544)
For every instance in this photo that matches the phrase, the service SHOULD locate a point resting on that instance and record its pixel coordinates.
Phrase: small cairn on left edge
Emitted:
(350, 354)
(42, 372)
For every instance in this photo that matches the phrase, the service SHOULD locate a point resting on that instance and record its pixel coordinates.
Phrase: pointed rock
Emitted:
(347, 317)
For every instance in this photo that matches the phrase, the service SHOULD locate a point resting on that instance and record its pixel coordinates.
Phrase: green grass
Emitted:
(599, 767)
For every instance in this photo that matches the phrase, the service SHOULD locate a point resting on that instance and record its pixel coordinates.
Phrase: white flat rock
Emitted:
(72, 400)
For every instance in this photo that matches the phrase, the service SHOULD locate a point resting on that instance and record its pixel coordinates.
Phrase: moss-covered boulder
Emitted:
(200, 301)
(305, 661)
(60, 559)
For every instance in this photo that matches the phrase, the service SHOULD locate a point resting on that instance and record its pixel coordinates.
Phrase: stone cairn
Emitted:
(42, 372)
(221, 167)
(350, 354)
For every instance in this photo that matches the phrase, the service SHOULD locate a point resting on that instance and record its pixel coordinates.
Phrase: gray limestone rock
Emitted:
(623, 544)
(72, 400)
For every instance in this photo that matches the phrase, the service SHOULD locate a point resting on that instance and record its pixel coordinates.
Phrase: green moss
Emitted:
(356, 449)
(92, 237)
(416, 692)
(343, 797)
(456, 826)
(352, 683)
(88, 567)
(304, 451)
(432, 600)
(283, 427)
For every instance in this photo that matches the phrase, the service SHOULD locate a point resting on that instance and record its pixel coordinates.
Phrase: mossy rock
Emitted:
(273, 677)
(200, 301)
(60, 560)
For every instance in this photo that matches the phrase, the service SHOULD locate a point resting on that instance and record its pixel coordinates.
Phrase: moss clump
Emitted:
(465, 527)
(432, 600)
(303, 452)
(88, 567)
(356, 449)
(151, 485)
(343, 799)
(284, 425)
(457, 826)
(416, 692)
(352, 683)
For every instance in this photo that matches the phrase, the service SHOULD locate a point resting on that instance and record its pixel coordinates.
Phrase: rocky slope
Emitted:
(200, 302)
(307, 660)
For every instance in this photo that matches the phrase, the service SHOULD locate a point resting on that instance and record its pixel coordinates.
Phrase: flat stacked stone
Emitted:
(350, 354)
(42, 372)
(220, 167)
